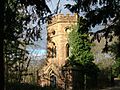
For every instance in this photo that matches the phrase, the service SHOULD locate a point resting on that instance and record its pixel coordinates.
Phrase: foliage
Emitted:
(80, 45)
(105, 13)
(105, 64)
(116, 68)
(81, 55)
(106, 70)
(115, 49)
(18, 32)
(100, 12)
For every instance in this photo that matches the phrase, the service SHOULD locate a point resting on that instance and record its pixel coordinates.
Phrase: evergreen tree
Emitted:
(80, 46)
(81, 55)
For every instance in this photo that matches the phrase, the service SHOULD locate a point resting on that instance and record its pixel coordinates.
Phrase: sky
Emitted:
(53, 3)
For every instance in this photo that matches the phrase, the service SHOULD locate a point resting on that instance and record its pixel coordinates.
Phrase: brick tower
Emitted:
(58, 38)
(57, 49)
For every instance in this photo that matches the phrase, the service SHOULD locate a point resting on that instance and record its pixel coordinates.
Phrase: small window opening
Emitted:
(67, 50)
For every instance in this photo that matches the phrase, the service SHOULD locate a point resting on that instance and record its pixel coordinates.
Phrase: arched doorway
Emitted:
(52, 81)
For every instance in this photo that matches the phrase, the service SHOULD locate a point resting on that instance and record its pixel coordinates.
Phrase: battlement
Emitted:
(63, 18)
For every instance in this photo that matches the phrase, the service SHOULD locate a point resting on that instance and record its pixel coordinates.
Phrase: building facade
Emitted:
(58, 38)
(57, 50)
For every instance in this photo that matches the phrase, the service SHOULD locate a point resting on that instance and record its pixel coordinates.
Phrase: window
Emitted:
(53, 50)
(52, 81)
(67, 29)
(67, 50)
(53, 32)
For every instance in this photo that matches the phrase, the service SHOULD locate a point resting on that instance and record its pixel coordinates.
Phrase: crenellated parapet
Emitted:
(61, 18)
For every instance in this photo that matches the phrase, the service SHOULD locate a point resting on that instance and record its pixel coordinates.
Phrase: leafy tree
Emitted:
(81, 55)
(115, 49)
(18, 17)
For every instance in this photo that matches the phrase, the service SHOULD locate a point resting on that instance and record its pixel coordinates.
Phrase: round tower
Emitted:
(57, 38)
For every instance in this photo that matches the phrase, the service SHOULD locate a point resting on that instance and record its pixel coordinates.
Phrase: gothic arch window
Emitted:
(53, 50)
(52, 81)
(67, 50)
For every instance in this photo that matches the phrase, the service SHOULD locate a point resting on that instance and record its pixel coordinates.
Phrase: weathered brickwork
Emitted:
(58, 35)
(57, 39)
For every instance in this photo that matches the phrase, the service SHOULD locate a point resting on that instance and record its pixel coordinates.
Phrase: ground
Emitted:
(116, 87)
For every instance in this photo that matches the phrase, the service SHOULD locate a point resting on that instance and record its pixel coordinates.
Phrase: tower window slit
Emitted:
(67, 50)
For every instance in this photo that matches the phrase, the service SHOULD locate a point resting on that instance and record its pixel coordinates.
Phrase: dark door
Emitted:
(52, 81)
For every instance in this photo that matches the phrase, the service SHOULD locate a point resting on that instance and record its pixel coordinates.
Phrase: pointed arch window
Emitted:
(67, 50)
(52, 81)
(53, 50)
